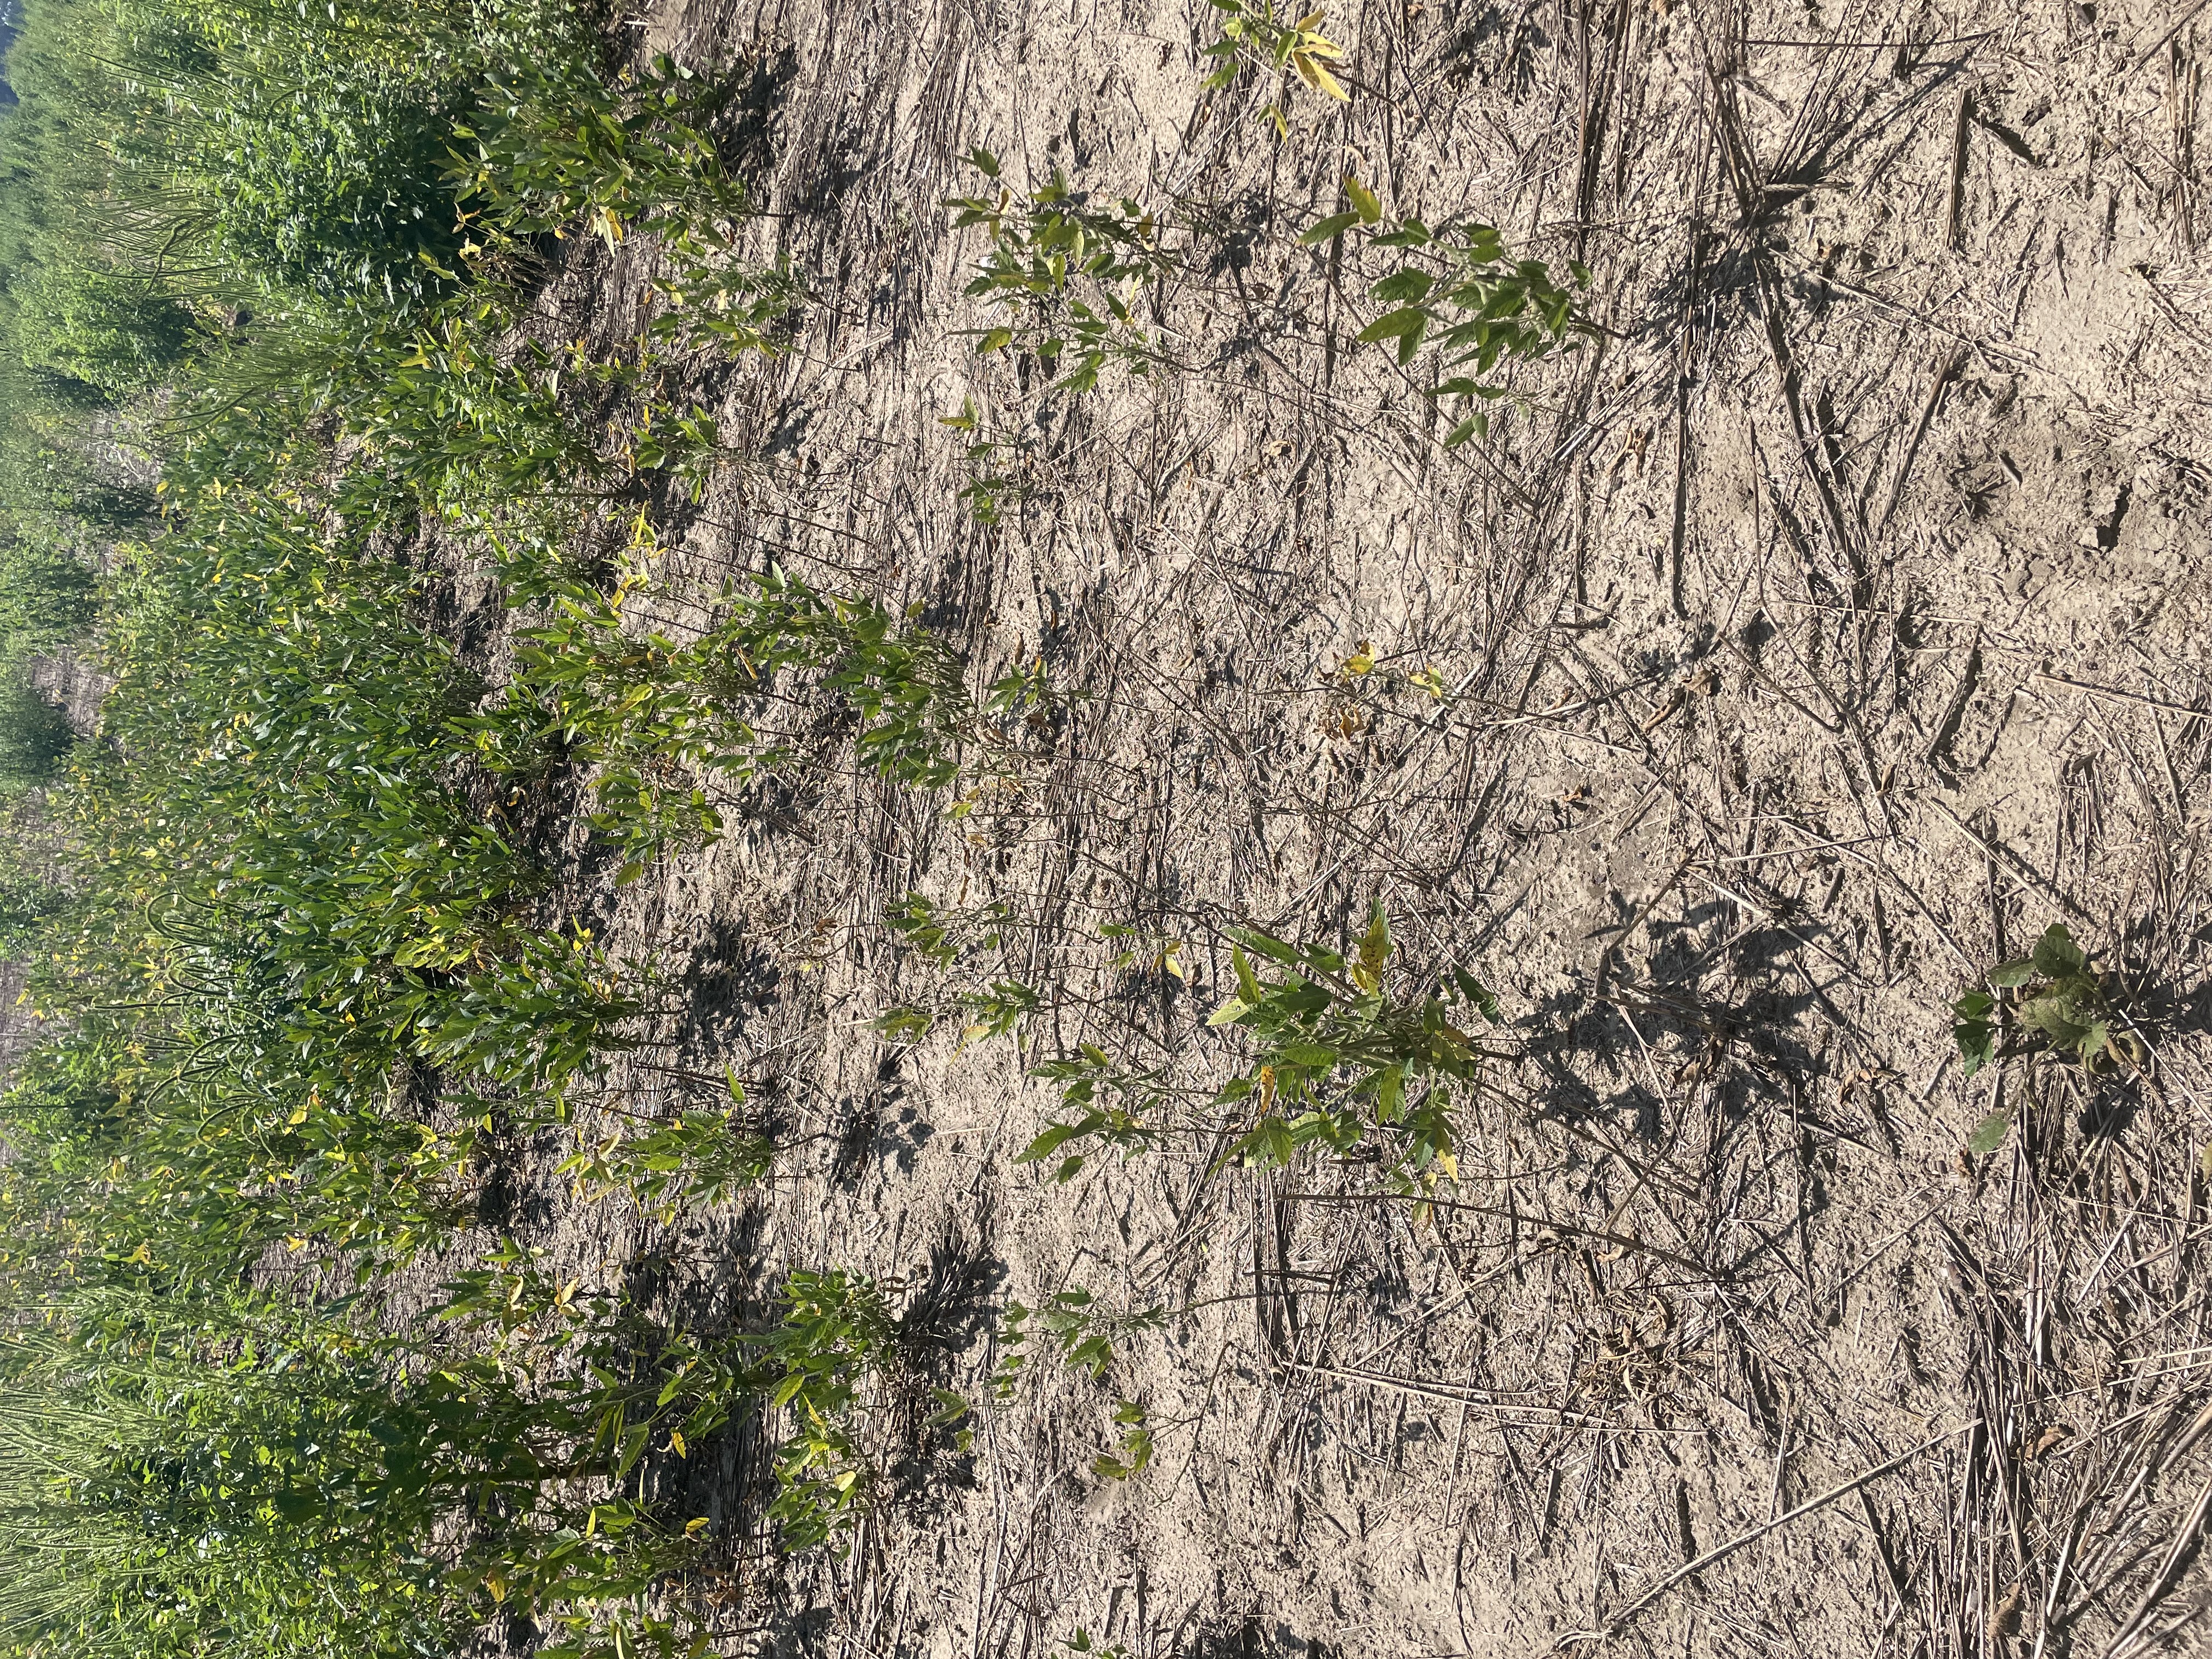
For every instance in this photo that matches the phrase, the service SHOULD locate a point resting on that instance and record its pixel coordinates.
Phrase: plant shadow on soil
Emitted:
(1659, 1016)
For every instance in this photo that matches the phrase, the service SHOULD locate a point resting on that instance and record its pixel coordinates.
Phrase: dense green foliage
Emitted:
(292, 943)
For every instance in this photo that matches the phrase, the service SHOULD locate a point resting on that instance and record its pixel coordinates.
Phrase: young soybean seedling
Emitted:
(1334, 1054)
(1456, 293)
(1067, 275)
(2053, 1000)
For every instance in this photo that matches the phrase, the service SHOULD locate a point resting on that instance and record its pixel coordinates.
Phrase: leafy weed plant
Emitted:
(1069, 274)
(830, 1358)
(1458, 295)
(654, 716)
(1336, 1057)
(1258, 39)
(2053, 998)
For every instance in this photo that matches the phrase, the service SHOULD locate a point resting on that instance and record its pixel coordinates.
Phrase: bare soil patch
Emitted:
(1814, 639)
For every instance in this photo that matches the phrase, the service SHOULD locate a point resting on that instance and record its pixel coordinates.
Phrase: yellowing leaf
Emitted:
(1310, 71)
(1370, 210)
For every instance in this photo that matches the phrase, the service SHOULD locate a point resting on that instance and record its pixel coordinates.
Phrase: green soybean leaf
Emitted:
(1977, 1043)
(2055, 952)
(1335, 225)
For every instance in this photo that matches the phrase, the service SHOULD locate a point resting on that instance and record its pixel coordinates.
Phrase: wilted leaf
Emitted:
(1374, 951)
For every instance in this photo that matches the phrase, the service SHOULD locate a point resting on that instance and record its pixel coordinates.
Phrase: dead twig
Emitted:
(1955, 201)
(2113, 692)
(2133, 1636)
(1946, 372)
(2019, 866)
(1691, 1569)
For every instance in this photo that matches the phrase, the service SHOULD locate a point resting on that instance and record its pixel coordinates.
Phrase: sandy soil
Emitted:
(1815, 638)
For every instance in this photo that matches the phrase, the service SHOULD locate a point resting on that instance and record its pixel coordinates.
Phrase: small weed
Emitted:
(266, 1481)
(837, 1336)
(1070, 273)
(1146, 952)
(2053, 996)
(986, 1012)
(1456, 293)
(1083, 1331)
(1336, 1056)
(1135, 1450)
(551, 151)
(942, 935)
(654, 716)
(1083, 1334)
(699, 1157)
(1000, 464)
(2050, 1000)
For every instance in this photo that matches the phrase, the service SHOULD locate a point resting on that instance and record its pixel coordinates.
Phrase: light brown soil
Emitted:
(1817, 642)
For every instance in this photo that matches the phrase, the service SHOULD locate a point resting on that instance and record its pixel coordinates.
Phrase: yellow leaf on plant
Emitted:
(1310, 71)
